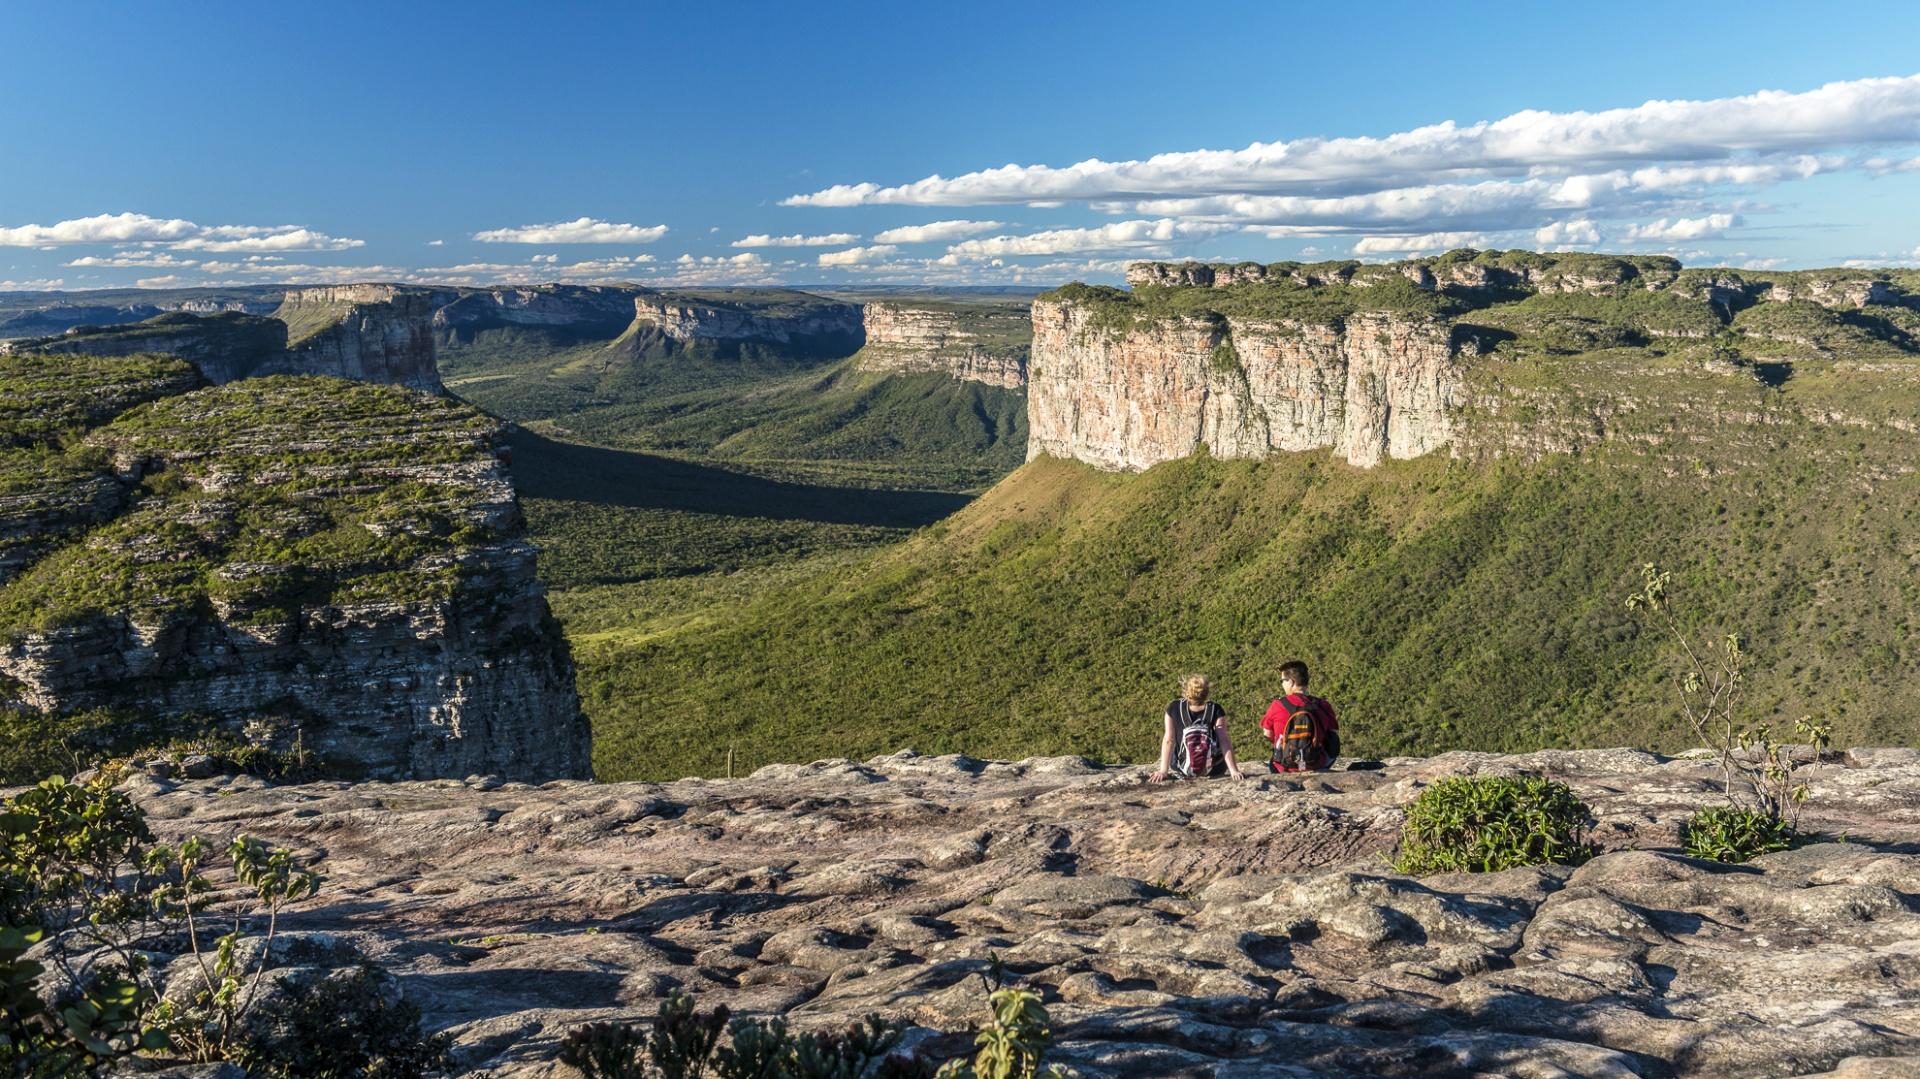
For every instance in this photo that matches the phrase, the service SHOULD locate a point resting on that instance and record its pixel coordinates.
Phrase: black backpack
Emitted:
(1196, 750)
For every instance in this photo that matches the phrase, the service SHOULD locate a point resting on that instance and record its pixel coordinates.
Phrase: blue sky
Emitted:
(481, 142)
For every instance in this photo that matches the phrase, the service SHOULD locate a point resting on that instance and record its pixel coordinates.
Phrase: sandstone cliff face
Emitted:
(689, 321)
(322, 560)
(1369, 387)
(539, 305)
(1281, 945)
(372, 333)
(979, 345)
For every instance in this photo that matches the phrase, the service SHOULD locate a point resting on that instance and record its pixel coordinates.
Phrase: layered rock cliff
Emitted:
(1388, 361)
(312, 559)
(797, 321)
(977, 344)
(373, 333)
(605, 308)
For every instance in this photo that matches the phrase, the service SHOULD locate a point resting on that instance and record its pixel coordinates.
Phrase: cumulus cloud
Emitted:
(858, 256)
(146, 260)
(1578, 232)
(746, 258)
(174, 232)
(1117, 236)
(36, 284)
(582, 230)
(831, 239)
(1683, 229)
(1413, 245)
(1861, 112)
(935, 232)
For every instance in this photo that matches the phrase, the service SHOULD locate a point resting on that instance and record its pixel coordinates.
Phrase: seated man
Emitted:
(1196, 743)
(1303, 728)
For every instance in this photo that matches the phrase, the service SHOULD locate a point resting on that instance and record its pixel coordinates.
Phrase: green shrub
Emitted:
(685, 1042)
(348, 1024)
(1732, 833)
(1482, 824)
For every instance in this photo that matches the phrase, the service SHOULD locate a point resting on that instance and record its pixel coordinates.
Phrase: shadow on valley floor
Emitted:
(545, 468)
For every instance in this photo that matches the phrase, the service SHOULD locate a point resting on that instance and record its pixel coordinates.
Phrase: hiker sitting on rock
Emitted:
(1196, 743)
(1304, 730)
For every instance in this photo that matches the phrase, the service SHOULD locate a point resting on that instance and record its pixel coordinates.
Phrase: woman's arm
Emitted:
(1166, 755)
(1226, 747)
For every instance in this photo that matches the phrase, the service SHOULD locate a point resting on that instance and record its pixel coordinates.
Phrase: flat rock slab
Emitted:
(1218, 928)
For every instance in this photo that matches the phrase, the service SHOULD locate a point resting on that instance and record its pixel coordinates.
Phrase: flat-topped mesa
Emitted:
(546, 306)
(983, 344)
(368, 332)
(688, 320)
(223, 342)
(1397, 360)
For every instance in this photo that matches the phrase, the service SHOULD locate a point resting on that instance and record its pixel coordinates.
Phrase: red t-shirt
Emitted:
(1275, 723)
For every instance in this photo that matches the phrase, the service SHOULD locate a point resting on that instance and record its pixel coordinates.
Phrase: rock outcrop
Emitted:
(597, 307)
(1204, 929)
(306, 559)
(799, 321)
(221, 344)
(372, 333)
(979, 344)
(1370, 386)
(1375, 362)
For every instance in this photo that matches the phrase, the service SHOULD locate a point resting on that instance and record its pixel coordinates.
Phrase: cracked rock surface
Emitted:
(1213, 929)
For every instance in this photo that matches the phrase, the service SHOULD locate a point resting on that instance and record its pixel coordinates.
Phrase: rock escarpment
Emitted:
(976, 344)
(1375, 362)
(797, 321)
(1371, 386)
(605, 308)
(310, 560)
(218, 344)
(373, 333)
(1205, 929)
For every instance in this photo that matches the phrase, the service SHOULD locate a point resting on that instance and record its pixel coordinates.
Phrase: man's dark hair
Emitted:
(1295, 670)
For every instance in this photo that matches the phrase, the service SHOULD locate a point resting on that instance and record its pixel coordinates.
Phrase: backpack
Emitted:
(1197, 752)
(1298, 748)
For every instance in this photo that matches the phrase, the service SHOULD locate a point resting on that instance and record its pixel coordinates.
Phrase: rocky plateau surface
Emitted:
(790, 318)
(1216, 929)
(979, 345)
(548, 306)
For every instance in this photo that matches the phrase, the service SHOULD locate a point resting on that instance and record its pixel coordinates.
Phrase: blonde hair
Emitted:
(1187, 688)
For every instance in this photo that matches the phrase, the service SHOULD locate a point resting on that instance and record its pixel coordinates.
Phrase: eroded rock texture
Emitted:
(1213, 929)
(1369, 387)
(372, 333)
(977, 344)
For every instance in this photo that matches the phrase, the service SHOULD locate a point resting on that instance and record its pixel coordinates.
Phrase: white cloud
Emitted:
(436, 243)
(858, 256)
(935, 232)
(36, 284)
(1682, 229)
(172, 280)
(583, 230)
(1118, 236)
(1841, 114)
(177, 233)
(545, 258)
(152, 260)
(744, 259)
(1578, 232)
(831, 239)
(1407, 245)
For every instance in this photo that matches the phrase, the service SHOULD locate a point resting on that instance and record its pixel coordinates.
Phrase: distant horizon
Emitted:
(856, 145)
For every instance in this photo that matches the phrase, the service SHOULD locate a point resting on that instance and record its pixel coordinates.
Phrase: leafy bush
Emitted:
(1735, 834)
(347, 1024)
(683, 1042)
(1482, 824)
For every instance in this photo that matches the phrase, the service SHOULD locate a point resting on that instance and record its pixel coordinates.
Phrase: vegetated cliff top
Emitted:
(1213, 928)
(1562, 303)
(342, 558)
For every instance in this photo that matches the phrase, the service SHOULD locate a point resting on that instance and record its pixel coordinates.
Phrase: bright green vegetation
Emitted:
(1443, 604)
(267, 495)
(1483, 824)
(1732, 833)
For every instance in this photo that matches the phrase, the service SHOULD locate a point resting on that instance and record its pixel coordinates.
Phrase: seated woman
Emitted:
(1197, 743)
